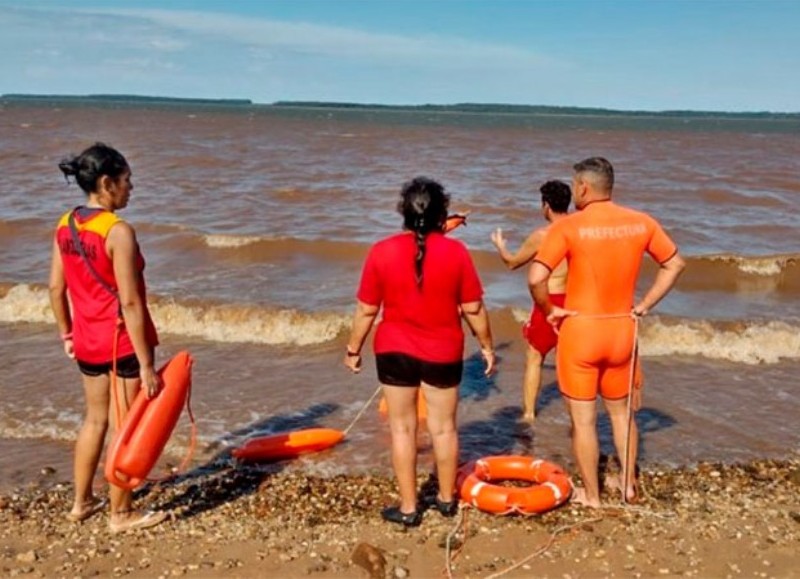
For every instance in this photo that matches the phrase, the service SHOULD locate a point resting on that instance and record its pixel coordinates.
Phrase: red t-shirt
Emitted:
(421, 322)
(94, 309)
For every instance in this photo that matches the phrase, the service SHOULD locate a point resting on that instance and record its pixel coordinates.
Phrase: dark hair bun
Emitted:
(68, 167)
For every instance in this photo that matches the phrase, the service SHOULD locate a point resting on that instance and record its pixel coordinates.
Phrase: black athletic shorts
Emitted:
(404, 370)
(127, 367)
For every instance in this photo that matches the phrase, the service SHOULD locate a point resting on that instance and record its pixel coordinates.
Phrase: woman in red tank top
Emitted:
(97, 265)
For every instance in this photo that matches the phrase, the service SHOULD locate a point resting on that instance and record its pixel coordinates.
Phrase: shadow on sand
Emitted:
(222, 478)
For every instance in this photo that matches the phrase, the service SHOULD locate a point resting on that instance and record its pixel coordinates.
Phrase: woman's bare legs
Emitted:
(122, 499)
(89, 445)
(401, 402)
(442, 406)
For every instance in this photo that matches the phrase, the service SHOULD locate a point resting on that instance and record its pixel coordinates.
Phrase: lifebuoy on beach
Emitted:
(287, 444)
(550, 486)
(148, 425)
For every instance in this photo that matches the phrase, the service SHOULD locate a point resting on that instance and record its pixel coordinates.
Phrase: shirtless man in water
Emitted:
(605, 244)
(540, 335)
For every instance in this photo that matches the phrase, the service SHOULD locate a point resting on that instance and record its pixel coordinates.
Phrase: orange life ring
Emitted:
(551, 485)
(288, 444)
(148, 425)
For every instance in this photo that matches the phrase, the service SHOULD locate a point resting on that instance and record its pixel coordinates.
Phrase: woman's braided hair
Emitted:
(423, 205)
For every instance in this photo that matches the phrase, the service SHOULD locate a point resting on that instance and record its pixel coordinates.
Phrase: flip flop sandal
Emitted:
(148, 519)
(90, 508)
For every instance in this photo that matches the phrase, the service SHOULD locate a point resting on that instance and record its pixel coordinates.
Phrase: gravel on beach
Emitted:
(232, 520)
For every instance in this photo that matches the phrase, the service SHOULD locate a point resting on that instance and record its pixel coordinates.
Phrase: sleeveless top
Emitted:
(95, 310)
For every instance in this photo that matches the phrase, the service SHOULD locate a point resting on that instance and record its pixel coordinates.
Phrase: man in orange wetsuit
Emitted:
(604, 245)
(538, 332)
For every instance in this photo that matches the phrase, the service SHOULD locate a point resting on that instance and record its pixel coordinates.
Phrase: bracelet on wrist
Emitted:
(67, 336)
(351, 354)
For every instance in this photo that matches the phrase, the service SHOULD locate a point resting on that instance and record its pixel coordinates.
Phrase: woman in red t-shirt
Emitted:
(424, 283)
(96, 277)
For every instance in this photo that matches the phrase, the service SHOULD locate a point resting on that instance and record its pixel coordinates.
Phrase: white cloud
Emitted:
(167, 44)
(212, 55)
(337, 42)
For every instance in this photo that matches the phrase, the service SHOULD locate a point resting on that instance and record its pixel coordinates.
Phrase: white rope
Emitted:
(544, 548)
(363, 409)
(450, 537)
(625, 464)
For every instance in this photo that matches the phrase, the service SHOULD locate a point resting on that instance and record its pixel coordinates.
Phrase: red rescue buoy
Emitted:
(287, 444)
(148, 425)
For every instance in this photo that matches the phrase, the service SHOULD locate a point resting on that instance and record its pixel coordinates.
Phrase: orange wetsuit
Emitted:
(604, 245)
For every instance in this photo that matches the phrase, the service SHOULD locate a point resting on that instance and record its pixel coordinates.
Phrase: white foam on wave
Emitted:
(25, 303)
(230, 241)
(748, 343)
(768, 265)
(221, 323)
(50, 428)
(239, 324)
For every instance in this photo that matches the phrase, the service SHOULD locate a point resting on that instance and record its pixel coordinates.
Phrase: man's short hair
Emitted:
(557, 195)
(601, 170)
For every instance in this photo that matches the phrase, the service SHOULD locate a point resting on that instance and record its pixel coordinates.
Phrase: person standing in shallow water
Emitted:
(604, 244)
(424, 282)
(98, 297)
(538, 332)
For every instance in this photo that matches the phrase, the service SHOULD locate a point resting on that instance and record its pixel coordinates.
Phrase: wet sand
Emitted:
(710, 520)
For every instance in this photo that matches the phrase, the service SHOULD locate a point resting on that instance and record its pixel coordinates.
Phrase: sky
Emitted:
(649, 55)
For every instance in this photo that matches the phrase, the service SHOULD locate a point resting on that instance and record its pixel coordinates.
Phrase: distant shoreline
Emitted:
(472, 108)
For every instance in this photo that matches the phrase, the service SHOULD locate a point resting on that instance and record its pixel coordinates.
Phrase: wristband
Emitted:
(67, 336)
(352, 354)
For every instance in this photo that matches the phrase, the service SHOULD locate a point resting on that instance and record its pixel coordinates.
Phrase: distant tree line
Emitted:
(124, 98)
(476, 108)
(538, 110)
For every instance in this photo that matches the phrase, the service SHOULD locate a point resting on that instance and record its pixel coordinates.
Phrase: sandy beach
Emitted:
(711, 520)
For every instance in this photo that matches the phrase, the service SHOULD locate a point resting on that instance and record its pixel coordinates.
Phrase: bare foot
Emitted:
(529, 417)
(613, 482)
(579, 497)
(82, 511)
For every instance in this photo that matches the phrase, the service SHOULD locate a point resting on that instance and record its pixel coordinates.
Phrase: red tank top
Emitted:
(95, 310)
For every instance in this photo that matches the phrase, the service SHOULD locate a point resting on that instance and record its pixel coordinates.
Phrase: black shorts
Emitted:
(404, 370)
(127, 367)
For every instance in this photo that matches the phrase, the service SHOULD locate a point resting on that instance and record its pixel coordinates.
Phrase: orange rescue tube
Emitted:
(551, 486)
(287, 444)
(422, 406)
(148, 425)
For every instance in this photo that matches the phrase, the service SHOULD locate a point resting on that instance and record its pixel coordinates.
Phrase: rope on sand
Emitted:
(450, 559)
(543, 548)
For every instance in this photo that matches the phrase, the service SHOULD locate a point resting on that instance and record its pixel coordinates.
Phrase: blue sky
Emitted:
(631, 55)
